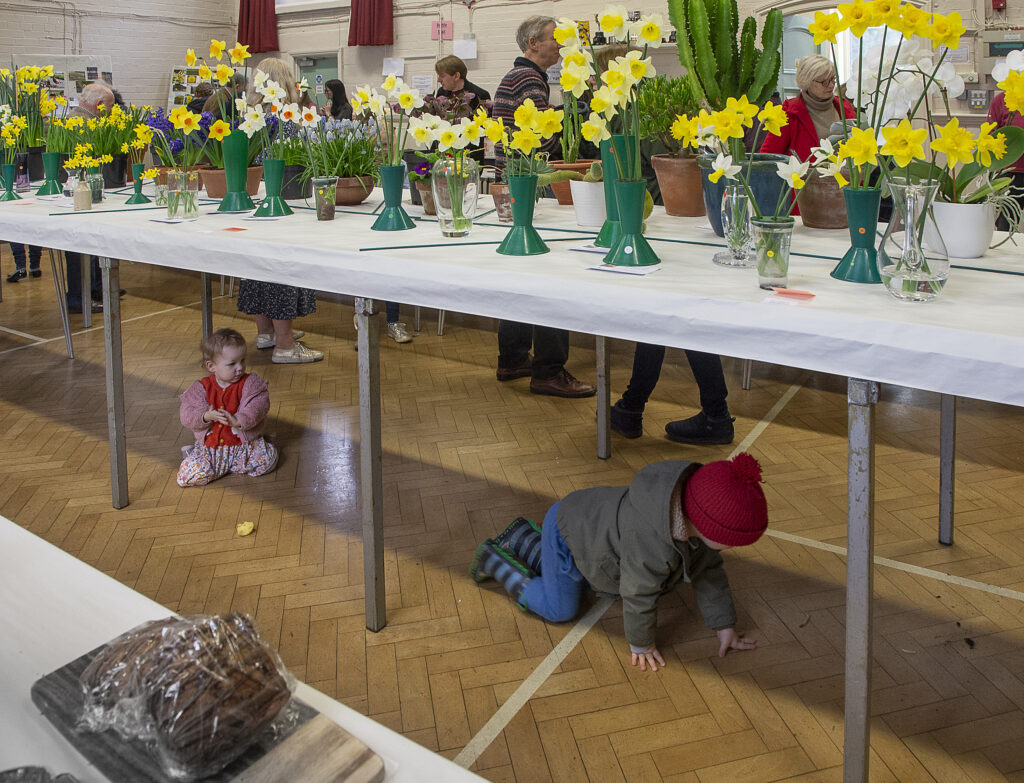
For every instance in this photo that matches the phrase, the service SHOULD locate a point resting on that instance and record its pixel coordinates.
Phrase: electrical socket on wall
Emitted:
(441, 30)
(969, 77)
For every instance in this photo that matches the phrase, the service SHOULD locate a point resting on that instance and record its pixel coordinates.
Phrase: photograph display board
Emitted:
(71, 72)
(184, 81)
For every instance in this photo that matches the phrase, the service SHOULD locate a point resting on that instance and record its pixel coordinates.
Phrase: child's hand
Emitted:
(729, 639)
(649, 657)
(218, 416)
(231, 421)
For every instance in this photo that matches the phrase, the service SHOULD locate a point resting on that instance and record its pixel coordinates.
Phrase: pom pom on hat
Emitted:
(725, 502)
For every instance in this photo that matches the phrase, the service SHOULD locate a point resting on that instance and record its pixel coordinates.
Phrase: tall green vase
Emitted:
(522, 239)
(632, 248)
(7, 172)
(392, 217)
(51, 167)
(273, 176)
(136, 197)
(611, 231)
(860, 264)
(236, 168)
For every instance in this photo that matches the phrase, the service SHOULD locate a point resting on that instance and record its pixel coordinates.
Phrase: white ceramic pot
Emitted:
(588, 201)
(966, 228)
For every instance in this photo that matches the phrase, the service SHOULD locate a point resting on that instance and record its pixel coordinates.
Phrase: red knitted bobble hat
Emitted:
(725, 502)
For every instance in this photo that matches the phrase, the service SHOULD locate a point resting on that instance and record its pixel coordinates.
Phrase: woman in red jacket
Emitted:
(812, 112)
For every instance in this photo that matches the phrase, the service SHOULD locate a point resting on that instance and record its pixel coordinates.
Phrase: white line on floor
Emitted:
(500, 719)
(531, 684)
(26, 335)
(929, 573)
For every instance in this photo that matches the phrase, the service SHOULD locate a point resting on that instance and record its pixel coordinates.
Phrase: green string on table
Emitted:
(104, 211)
(462, 244)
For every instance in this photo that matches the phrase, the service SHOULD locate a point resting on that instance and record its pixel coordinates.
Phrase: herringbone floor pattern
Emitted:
(463, 455)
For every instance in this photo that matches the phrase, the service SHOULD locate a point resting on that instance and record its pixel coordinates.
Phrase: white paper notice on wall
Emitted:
(395, 65)
(464, 48)
(423, 83)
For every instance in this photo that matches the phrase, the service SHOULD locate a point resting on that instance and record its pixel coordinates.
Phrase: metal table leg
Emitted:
(745, 378)
(86, 262)
(62, 300)
(206, 302)
(604, 411)
(371, 485)
(947, 466)
(862, 397)
(115, 381)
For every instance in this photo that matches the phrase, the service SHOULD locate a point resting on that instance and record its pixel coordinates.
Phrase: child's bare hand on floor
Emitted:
(729, 639)
(649, 657)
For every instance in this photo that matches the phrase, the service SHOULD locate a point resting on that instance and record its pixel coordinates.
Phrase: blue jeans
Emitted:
(34, 255)
(556, 592)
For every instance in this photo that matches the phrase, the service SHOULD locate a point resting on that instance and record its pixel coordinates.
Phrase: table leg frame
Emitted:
(947, 466)
(371, 483)
(115, 380)
(62, 300)
(86, 293)
(862, 397)
(604, 411)
(206, 301)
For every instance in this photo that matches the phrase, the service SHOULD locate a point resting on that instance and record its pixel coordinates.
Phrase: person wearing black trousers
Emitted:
(711, 426)
(34, 255)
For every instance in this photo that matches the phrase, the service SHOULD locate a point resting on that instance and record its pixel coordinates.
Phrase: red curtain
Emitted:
(257, 25)
(371, 23)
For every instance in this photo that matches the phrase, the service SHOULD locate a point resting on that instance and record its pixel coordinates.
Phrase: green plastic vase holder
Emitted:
(137, 197)
(631, 248)
(860, 263)
(51, 166)
(7, 172)
(611, 230)
(273, 177)
(236, 170)
(393, 217)
(522, 239)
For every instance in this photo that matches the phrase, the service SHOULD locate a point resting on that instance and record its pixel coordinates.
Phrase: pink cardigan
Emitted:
(251, 414)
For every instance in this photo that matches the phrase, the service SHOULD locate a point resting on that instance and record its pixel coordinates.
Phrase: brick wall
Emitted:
(144, 38)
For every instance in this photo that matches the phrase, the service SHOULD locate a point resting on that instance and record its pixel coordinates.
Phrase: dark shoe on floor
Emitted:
(36, 273)
(562, 385)
(521, 370)
(629, 424)
(701, 430)
(97, 307)
(15, 276)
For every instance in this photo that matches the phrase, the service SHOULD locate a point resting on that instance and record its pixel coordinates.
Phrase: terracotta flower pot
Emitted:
(502, 202)
(216, 185)
(353, 190)
(426, 194)
(822, 204)
(679, 180)
(561, 189)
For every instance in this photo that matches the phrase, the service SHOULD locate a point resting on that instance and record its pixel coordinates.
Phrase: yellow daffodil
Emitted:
(61, 100)
(190, 57)
(743, 108)
(595, 129)
(574, 79)
(217, 48)
(566, 32)
(912, 21)
(5, 73)
(904, 143)
(219, 130)
(955, 143)
(575, 57)
(29, 88)
(826, 27)
(106, 158)
(124, 148)
(684, 130)
(613, 78)
(46, 72)
(186, 122)
(549, 122)
(723, 166)
(239, 54)
(604, 102)
(728, 124)
(224, 73)
(205, 74)
(885, 11)
(946, 30)
(1013, 87)
(861, 147)
(648, 29)
(773, 118)
(525, 140)
(614, 21)
(858, 16)
(495, 130)
(149, 174)
(990, 146)
(46, 106)
(526, 115)
(638, 68)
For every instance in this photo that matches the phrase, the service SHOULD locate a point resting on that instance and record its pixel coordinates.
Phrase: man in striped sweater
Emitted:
(528, 79)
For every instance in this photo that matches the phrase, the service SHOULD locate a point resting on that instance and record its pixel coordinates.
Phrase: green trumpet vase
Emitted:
(7, 172)
(860, 264)
(632, 248)
(522, 239)
(392, 217)
(611, 231)
(137, 197)
(236, 168)
(51, 166)
(273, 176)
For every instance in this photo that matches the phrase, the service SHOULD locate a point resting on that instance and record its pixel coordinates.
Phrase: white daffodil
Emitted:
(290, 112)
(376, 105)
(255, 118)
(648, 29)
(1014, 62)
(614, 21)
(310, 118)
(393, 85)
(259, 80)
(604, 102)
(241, 105)
(272, 91)
(302, 86)
(248, 128)
(451, 138)
(566, 32)
(420, 131)
(723, 167)
(833, 168)
(410, 100)
(793, 171)
(574, 79)
(822, 152)
(595, 129)
(471, 130)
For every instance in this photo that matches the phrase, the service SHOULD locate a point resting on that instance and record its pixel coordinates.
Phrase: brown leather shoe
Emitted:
(562, 385)
(521, 370)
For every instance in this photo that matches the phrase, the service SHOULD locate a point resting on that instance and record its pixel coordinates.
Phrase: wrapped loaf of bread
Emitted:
(201, 688)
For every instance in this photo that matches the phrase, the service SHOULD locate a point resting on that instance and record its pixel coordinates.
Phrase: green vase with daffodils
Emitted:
(13, 129)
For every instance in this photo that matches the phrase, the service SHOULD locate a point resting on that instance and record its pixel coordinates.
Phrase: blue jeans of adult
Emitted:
(74, 272)
(550, 348)
(706, 368)
(34, 255)
(555, 593)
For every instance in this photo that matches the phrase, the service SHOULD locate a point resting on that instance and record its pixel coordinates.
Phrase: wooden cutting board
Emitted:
(314, 750)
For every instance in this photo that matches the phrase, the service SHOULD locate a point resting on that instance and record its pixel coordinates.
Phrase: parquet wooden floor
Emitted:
(463, 455)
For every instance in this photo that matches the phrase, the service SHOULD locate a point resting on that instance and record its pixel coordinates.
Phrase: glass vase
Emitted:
(455, 183)
(522, 239)
(632, 248)
(771, 242)
(860, 262)
(273, 177)
(182, 195)
(393, 217)
(911, 270)
(736, 225)
(51, 168)
(325, 190)
(137, 197)
(94, 179)
(9, 171)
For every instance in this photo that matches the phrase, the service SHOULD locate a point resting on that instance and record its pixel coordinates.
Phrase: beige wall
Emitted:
(144, 38)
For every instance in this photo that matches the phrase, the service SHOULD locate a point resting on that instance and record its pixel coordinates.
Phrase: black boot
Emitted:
(629, 424)
(522, 538)
(490, 560)
(701, 430)
(15, 276)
